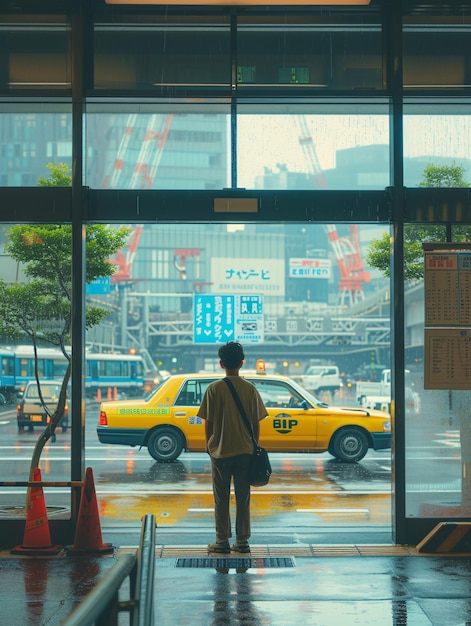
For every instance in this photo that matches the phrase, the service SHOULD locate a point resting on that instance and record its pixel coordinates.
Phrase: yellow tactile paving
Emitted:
(294, 551)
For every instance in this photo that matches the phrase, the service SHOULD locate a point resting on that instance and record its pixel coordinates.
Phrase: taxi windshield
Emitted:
(153, 391)
(307, 395)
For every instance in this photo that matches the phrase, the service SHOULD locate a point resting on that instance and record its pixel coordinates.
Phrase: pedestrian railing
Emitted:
(102, 605)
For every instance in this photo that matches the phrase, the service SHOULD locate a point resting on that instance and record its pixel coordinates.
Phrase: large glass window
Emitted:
(157, 147)
(31, 137)
(302, 95)
(437, 425)
(35, 292)
(437, 135)
(174, 320)
(313, 147)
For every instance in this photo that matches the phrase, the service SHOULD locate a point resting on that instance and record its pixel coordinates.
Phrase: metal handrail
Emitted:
(143, 613)
(103, 599)
(103, 595)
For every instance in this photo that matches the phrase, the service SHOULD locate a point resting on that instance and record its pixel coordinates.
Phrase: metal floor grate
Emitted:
(235, 562)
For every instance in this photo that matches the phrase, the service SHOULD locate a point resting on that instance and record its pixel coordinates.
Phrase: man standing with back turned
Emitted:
(230, 447)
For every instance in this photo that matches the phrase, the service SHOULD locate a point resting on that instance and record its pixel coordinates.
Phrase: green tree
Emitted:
(443, 176)
(379, 250)
(40, 307)
(59, 176)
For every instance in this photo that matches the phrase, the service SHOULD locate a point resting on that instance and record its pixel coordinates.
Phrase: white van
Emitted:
(321, 378)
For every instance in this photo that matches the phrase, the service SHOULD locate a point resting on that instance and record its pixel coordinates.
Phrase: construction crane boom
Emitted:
(143, 175)
(347, 250)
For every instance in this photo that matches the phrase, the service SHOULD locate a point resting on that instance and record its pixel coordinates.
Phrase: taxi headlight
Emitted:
(387, 425)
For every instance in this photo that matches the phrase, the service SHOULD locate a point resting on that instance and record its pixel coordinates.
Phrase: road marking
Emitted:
(358, 511)
(449, 444)
(200, 510)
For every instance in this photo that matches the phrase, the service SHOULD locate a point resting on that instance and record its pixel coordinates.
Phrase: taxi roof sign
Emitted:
(260, 366)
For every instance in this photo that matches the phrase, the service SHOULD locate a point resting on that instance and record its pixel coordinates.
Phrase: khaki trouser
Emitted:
(223, 470)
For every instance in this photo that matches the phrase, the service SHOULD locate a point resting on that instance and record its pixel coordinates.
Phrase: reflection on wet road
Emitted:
(304, 489)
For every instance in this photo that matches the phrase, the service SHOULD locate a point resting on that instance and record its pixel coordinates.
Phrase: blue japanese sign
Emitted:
(221, 318)
(99, 286)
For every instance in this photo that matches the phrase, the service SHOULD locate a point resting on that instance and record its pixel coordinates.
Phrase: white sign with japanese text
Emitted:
(310, 268)
(258, 276)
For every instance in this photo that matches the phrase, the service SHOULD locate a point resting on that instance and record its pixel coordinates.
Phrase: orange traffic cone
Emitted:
(37, 538)
(110, 393)
(115, 393)
(98, 395)
(88, 532)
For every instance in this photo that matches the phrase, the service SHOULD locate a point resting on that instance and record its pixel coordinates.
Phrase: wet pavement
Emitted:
(275, 585)
(40, 590)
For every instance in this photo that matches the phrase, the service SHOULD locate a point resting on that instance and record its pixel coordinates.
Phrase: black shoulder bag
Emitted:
(260, 468)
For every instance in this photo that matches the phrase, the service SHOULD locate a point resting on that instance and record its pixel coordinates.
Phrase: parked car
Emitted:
(31, 411)
(165, 421)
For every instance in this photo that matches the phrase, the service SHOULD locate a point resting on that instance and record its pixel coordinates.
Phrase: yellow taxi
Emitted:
(165, 421)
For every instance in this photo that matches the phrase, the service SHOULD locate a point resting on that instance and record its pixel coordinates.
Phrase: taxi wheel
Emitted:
(349, 445)
(165, 445)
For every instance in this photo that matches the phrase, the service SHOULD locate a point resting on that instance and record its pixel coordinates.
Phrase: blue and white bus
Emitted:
(7, 375)
(52, 364)
(123, 373)
(108, 373)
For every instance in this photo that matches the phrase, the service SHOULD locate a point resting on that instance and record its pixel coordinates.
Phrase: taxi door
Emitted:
(289, 426)
(185, 408)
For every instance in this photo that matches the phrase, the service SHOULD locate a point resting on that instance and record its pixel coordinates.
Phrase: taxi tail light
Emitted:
(103, 419)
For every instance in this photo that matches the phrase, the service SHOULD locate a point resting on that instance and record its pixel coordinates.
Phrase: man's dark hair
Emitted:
(231, 354)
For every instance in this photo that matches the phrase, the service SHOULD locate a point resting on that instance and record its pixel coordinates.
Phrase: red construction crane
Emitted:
(307, 144)
(124, 260)
(150, 153)
(143, 175)
(346, 249)
(179, 260)
(347, 254)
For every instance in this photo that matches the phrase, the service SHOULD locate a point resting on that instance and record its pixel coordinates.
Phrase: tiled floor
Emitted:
(334, 585)
(328, 585)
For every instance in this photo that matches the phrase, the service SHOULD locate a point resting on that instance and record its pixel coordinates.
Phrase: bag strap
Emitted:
(241, 409)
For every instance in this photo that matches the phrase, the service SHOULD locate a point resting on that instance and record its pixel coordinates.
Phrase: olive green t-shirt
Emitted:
(230, 435)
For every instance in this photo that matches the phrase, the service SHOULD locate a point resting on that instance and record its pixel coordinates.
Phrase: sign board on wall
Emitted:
(447, 341)
(448, 361)
(257, 276)
(220, 318)
(310, 268)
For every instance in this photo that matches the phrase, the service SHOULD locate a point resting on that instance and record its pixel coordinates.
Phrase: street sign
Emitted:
(99, 286)
(222, 318)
